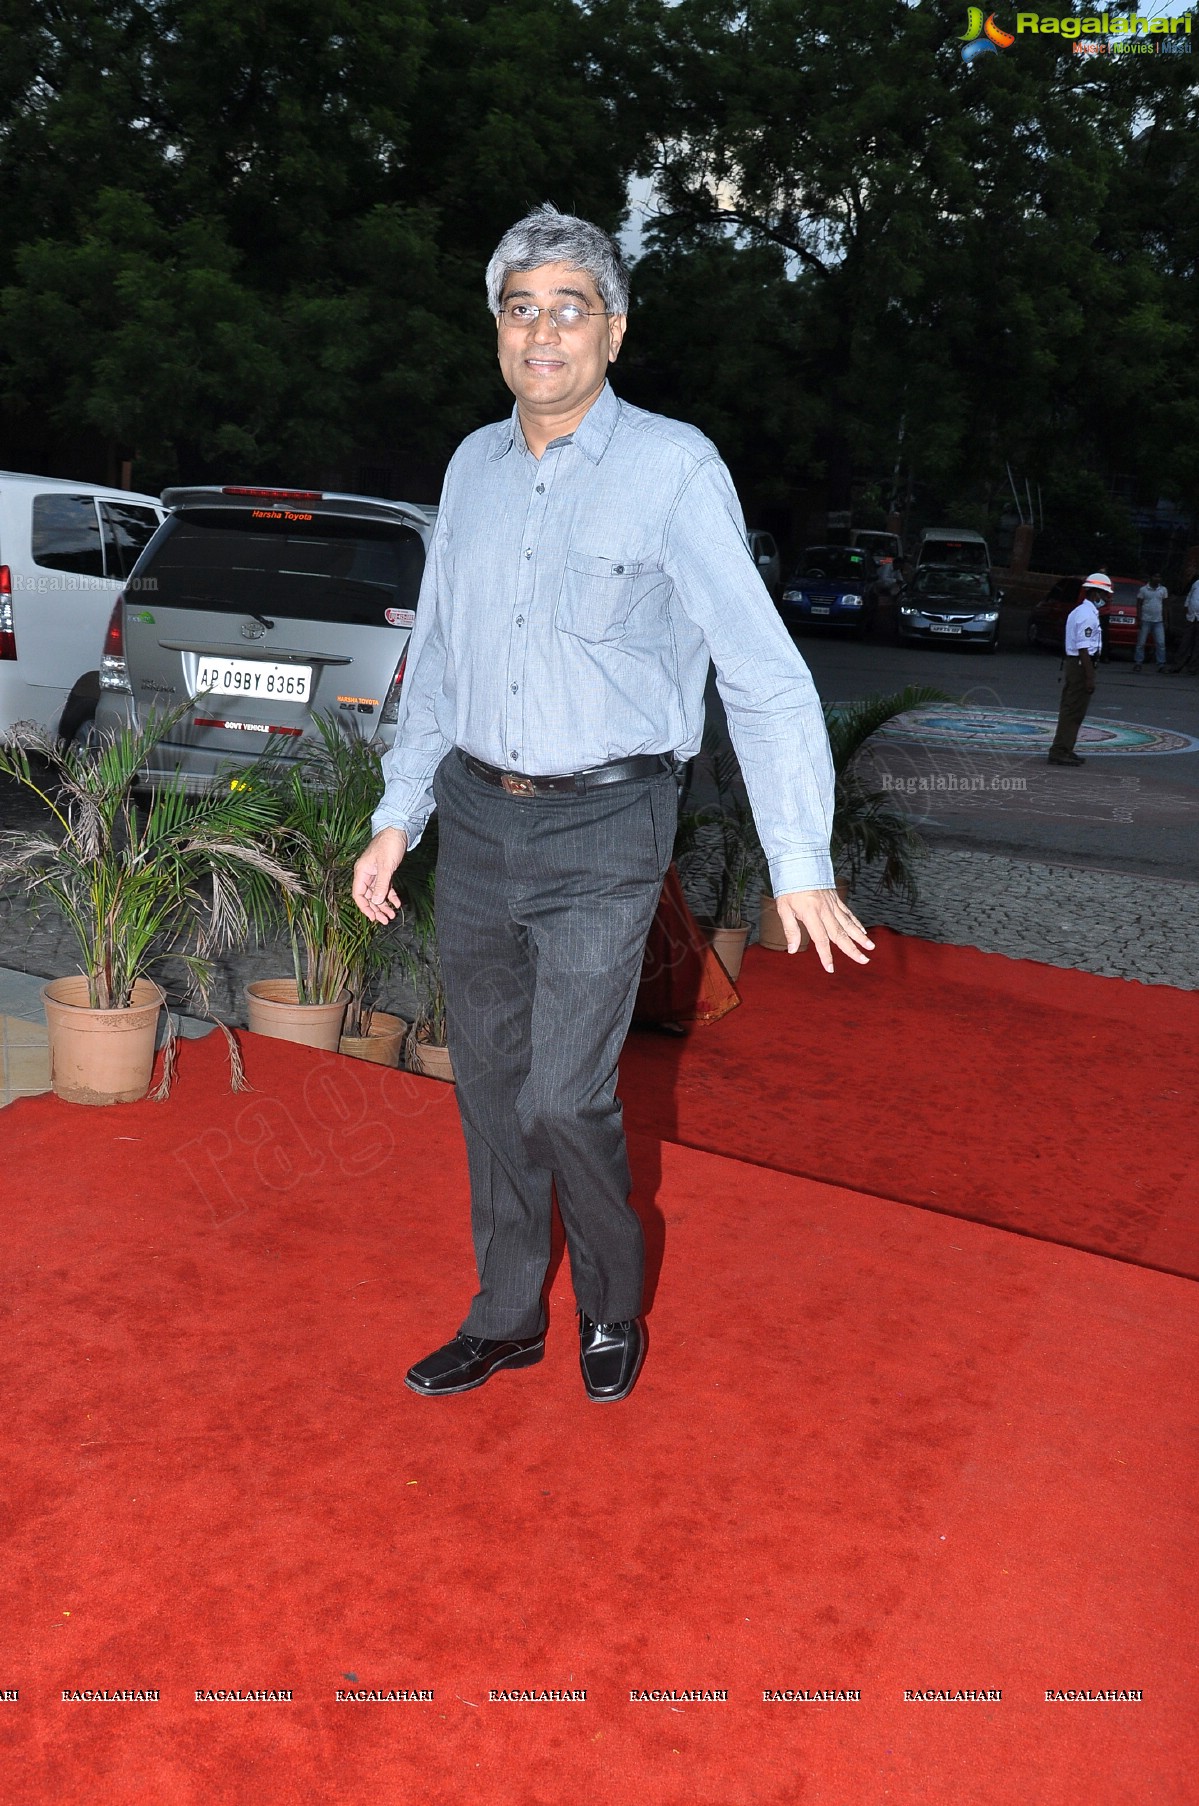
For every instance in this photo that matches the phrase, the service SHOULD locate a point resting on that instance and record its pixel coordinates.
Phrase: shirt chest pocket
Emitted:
(596, 597)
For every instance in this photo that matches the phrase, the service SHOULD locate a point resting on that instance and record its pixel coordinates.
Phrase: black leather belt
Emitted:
(516, 783)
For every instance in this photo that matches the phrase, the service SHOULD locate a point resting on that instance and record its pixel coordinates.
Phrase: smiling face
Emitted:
(555, 375)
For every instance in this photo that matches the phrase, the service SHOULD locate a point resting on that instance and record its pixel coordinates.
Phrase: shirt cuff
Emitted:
(802, 871)
(413, 830)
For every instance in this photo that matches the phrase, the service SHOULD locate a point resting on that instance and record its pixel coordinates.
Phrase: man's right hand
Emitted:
(373, 874)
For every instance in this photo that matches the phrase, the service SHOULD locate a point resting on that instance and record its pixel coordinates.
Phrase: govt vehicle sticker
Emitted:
(399, 617)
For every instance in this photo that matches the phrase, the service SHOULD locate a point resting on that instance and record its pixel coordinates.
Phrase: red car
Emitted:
(1117, 614)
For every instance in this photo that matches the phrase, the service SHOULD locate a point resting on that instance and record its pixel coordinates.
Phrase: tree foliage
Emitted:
(249, 241)
(979, 252)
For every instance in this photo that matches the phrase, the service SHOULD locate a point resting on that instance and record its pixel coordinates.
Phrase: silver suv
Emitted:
(264, 608)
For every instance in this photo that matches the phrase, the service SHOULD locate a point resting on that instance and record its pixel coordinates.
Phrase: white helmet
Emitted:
(1099, 580)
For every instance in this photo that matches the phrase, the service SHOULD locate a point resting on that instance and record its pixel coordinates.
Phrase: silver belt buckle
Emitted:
(517, 786)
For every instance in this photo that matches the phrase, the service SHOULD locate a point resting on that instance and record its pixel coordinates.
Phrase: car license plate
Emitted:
(940, 629)
(254, 678)
(816, 610)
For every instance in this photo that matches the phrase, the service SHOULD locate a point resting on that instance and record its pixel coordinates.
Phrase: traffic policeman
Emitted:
(1084, 640)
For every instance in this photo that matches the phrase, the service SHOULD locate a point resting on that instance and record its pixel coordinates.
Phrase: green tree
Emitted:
(947, 229)
(711, 328)
(250, 241)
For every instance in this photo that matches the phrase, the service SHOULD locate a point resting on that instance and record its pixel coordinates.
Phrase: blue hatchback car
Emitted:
(832, 586)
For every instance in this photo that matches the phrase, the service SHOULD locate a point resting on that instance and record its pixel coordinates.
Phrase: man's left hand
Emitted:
(829, 922)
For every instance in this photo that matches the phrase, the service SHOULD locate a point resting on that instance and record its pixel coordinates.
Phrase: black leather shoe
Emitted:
(610, 1355)
(1065, 758)
(468, 1361)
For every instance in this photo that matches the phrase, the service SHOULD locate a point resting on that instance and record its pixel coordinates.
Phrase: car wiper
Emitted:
(261, 618)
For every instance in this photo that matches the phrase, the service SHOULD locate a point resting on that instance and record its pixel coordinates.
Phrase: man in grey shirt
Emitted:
(588, 561)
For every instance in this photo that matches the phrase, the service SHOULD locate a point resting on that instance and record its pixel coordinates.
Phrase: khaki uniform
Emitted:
(1083, 634)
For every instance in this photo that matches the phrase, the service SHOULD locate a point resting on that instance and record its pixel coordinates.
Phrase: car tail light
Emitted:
(114, 673)
(8, 636)
(389, 713)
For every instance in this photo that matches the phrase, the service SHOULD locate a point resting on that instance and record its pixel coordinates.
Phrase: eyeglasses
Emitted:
(566, 315)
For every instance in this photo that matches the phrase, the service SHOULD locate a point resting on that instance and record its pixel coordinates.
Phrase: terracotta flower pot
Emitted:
(100, 1056)
(273, 1010)
(770, 928)
(728, 944)
(384, 1045)
(433, 1061)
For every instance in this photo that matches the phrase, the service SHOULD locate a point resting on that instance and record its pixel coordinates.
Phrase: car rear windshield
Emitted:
(832, 561)
(309, 567)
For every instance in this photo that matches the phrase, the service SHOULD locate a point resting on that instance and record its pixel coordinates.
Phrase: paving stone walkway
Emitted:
(1119, 924)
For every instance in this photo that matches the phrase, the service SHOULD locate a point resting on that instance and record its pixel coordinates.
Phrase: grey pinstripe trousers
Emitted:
(543, 908)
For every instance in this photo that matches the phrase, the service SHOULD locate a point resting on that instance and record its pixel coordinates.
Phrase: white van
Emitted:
(956, 547)
(65, 550)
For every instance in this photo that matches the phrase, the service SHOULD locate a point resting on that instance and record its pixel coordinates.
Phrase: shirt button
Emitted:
(619, 569)
(515, 688)
(520, 620)
(515, 753)
(528, 551)
(541, 488)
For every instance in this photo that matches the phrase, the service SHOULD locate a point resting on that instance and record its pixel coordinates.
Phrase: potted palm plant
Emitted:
(368, 1032)
(869, 828)
(325, 800)
(136, 880)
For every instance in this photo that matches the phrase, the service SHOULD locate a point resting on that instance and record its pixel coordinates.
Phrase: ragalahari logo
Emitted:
(1086, 34)
(982, 37)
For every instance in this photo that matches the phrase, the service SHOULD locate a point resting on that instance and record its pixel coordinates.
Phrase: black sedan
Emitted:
(832, 586)
(945, 604)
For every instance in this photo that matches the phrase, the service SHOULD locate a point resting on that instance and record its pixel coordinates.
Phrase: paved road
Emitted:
(1124, 810)
(1095, 867)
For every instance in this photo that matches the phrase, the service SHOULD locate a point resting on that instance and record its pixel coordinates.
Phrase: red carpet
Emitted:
(874, 1449)
(1047, 1101)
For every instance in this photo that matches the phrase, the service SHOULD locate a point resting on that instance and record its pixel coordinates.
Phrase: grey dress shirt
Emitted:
(567, 615)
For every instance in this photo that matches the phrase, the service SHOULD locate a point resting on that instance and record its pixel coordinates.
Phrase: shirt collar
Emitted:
(506, 432)
(591, 435)
(598, 424)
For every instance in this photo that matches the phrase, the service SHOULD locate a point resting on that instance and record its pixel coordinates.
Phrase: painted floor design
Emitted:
(1028, 731)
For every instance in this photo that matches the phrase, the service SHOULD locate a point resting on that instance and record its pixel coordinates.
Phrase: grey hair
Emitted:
(547, 236)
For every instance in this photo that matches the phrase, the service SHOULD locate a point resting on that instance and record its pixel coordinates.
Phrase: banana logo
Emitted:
(982, 37)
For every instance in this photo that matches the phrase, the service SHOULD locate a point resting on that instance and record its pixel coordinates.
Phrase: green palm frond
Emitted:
(851, 725)
(717, 848)
(325, 800)
(869, 827)
(180, 874)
